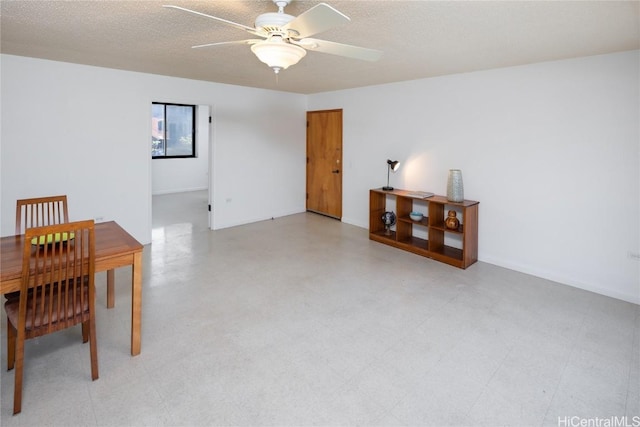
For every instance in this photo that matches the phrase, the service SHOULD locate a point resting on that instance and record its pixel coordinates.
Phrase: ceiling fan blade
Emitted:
(249, 41)
(340, 49)
(319, 18)
(224, 21)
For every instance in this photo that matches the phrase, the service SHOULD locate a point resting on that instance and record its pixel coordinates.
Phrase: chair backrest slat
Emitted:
(41, 211)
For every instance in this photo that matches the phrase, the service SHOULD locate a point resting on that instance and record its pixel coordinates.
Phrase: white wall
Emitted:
(551, 151)
(188, 174)
(84, 131)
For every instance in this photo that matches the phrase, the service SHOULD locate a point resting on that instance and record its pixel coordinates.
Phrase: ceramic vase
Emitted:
(455, 190)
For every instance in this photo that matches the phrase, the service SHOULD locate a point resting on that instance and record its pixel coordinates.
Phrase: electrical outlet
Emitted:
(634, 255)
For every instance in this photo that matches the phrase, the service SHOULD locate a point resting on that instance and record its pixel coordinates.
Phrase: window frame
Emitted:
(165, 127)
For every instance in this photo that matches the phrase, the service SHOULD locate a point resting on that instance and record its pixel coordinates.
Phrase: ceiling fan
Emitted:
(285, 39)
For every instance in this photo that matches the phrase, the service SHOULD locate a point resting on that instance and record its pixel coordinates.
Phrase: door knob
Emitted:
(336, 171)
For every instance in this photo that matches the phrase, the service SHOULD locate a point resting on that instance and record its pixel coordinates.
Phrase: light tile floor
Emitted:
(304, 321)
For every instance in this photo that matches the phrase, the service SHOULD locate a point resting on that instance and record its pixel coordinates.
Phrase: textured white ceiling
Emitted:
(419, 38)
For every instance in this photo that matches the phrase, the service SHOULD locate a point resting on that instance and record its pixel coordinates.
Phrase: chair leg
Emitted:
(93, 347)
(85, 332)
(11, 346)
(17, 391)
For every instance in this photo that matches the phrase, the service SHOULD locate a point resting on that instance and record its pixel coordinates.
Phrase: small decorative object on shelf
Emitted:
(455, 190)
(388, 219)
(452, 222)
(416, 216)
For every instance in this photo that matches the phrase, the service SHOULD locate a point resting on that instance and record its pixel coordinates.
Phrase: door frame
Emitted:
(210, 146)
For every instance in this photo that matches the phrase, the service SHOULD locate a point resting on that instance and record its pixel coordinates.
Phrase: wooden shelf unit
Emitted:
(455, 247)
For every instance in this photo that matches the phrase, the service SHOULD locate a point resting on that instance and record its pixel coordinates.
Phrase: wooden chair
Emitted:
(57, 292)
(38, 212)
(41, 211)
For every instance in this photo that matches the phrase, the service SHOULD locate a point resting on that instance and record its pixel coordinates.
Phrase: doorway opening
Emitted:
(180, 187)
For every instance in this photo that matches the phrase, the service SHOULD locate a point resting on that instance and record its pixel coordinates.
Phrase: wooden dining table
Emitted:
(115, 248)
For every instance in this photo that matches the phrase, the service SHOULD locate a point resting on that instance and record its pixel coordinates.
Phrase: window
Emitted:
(173, 130)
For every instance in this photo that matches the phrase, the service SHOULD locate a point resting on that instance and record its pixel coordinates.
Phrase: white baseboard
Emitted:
(174, 191)
(562, 279)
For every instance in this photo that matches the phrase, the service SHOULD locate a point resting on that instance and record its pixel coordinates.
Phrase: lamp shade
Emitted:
(278, 54)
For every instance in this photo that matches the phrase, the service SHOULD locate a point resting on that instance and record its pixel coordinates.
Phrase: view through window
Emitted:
(173, 130)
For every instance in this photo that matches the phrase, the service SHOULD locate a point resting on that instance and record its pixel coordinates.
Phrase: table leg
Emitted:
(111, 294)
(136, 304)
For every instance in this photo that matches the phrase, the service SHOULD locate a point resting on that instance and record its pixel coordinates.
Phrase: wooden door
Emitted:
(324, 162)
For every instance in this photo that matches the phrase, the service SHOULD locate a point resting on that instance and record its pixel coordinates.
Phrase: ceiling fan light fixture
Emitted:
(287, 37)
(278, 54)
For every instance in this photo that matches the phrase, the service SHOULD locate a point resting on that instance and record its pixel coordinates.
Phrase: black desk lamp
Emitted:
(392, 165)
